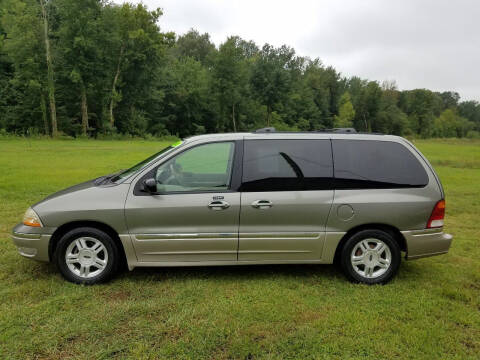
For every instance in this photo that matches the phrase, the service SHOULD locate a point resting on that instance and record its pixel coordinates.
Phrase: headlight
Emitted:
(31, 218)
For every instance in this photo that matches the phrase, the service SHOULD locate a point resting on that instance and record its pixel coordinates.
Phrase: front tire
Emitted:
(87, 256)
(370, 257)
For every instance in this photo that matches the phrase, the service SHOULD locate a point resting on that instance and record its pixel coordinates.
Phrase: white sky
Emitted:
(432, 44)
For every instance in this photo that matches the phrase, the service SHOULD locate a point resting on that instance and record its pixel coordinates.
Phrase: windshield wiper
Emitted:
(102, 180)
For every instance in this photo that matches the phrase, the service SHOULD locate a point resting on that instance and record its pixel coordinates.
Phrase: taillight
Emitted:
(438, 213)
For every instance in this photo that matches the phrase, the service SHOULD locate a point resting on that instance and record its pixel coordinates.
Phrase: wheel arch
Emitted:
(392, 230)
(63, 229)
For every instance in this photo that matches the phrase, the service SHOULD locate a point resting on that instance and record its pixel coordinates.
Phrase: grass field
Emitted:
(430, 311)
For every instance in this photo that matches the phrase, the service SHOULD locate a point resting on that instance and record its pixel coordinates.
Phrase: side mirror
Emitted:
(150, 185)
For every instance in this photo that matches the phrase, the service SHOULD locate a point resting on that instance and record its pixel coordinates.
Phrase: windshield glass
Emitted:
(126, 173)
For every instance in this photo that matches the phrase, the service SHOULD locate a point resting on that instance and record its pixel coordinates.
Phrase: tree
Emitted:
(421, 106)
(390, 119)
(230, 79)
(93, 67)
(320, 82)
(450, 124)
(145, 61)
(188, 108)
(134, 34)
(26, 42)
(270, 77)
(77, 37)
(50, 72)
(195, 45)
(346, 112)
(471, 111)
(366, 97)
(449, 99)
(6, 74)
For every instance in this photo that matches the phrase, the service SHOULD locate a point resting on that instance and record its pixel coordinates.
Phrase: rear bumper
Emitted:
(428, 242)
(31, 242)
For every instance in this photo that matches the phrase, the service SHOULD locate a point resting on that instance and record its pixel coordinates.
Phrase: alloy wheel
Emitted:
(371, 258)
(86, 257)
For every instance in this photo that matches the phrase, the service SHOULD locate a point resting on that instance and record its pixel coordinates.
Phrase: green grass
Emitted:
(430, 311)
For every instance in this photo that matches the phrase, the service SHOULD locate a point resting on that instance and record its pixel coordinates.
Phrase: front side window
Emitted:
(364, 164)
(202, 168)
(285, 165)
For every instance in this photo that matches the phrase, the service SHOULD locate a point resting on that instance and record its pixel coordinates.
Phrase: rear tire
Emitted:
(87, 256)
(370, 257)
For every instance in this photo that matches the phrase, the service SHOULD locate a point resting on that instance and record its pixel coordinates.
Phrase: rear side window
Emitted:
(364, 164)
(283, 165)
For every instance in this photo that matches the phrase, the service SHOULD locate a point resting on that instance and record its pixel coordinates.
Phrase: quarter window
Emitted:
(365, 164)
(203, 168)
(282, 165)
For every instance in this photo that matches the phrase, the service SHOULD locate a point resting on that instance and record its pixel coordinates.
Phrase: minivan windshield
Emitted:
(126, 173)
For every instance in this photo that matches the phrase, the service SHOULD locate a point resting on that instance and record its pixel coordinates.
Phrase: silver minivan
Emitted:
(267, 197)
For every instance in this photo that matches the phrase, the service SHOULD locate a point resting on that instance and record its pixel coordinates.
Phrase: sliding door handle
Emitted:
(262, 204)
(218, 205)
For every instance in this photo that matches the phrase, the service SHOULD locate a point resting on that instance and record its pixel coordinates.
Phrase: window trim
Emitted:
(235, 179)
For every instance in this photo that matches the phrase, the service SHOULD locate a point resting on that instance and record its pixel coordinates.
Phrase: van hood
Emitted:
(97, 182)
(102, 202)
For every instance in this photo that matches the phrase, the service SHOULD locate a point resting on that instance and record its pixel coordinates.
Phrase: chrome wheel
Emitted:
(86, 257)
(371, 258)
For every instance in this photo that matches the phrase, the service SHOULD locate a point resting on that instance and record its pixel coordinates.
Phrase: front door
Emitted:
(287, 193)
(194, 215)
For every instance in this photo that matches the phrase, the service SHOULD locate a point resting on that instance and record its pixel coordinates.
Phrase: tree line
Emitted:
(96, 68)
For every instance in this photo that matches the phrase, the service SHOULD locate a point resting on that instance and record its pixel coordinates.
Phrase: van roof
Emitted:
(293, 135)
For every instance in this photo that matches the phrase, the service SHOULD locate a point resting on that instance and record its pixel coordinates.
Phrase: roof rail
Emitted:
(339, 130)
(265, 130)
(333, 130)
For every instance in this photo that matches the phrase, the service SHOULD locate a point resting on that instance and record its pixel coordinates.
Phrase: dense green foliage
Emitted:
(429, 311)
(112, 70)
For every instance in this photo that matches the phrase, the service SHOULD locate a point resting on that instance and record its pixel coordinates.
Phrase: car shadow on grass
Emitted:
(413, 272)
(306, 272)
(243, 272)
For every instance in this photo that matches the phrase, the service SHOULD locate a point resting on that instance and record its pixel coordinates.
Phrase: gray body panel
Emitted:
(400, 208)
(85, 202)
(180, 229)
(31, 242)
(424, 243)
(293, 228)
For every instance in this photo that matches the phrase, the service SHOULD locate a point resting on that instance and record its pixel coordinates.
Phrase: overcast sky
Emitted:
(432, 44)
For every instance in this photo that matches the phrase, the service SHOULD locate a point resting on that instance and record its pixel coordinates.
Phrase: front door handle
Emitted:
(262, 204)
(218, 205)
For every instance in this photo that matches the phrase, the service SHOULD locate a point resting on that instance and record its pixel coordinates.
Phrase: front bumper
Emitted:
(32, 242)
(428, 242)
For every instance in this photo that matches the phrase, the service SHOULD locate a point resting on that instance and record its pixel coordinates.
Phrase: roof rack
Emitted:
(340, 130)
(266, 130)
(334, 130)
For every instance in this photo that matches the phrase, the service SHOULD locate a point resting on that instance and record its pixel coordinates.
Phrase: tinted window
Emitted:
(375, 164)
(202, 168)
(282, 165)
